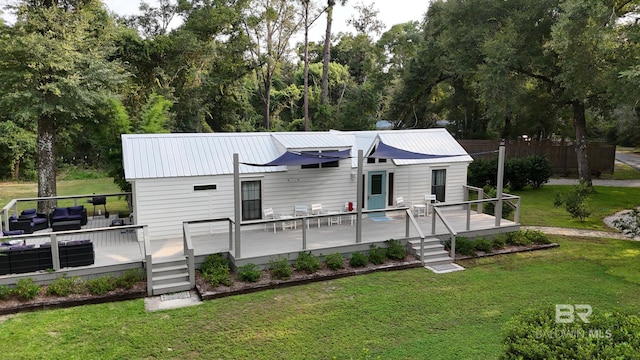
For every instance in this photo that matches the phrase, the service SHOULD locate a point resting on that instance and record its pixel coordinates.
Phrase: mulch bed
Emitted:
(509, 250)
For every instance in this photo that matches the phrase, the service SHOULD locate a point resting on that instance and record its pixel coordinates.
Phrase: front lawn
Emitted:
(537, 206)
(411, 314)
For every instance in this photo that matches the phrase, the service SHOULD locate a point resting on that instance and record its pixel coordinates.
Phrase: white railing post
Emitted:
(304, 234)
(468, 206)
(55, 252)
(480, 197)
(453, 247)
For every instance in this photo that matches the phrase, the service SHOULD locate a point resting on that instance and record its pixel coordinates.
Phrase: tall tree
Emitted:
(270, 25)
(54, 71)
(326, 55)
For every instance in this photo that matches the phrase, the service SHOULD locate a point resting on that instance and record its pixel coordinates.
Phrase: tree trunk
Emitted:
(326, 57)
(580, 125)
(46, 163)
(266, 100)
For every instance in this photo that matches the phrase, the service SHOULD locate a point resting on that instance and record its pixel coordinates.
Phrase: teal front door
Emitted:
(377, 191)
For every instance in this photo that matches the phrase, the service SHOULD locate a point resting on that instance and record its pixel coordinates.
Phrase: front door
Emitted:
(377, 194)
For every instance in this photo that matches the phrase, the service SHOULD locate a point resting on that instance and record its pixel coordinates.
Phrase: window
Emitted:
(205, 187)
(438, 181)
(251, 200)
(329, 164)
(371, 160)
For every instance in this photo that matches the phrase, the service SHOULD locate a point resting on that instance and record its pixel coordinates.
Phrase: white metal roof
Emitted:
(148, 156)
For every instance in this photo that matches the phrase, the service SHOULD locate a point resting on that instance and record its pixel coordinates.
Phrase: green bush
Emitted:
(26, 289)
(535, 334)
(5, 292)
(66, 286)
(537, 237)
(129, 278)
(464, 246)
(575, 202)
(280, 268)
(102, 285)
(249, 273)
(396, 250)
(215, 269)
(335, 261)
(518, 238)
(377, 255)
(499, 241)
(358, 260)
(540, 170)
(213, 261)
(516, 173)
(307, 262)
(483, 244)
(482, 172)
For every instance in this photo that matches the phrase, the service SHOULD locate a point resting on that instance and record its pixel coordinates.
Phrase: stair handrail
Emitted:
(413, 220)
(437, 212)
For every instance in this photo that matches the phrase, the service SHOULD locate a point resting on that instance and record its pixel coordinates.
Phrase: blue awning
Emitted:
(384, 151)
(306, 158)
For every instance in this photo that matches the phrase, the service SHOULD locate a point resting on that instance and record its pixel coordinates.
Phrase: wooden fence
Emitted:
(562, 155)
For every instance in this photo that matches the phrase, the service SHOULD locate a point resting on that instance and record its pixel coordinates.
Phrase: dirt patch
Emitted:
(509, 250)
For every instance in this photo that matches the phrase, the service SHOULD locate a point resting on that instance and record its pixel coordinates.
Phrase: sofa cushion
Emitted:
(13, 218)
(39, 220)
(59, 213)
(76, 210)
(29, 212)
(12, 232)
(21, 247)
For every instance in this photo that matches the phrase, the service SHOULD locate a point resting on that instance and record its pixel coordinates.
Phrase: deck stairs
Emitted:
(434, 252)
(170, 275)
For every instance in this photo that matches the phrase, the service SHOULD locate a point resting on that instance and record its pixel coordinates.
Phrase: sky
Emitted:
(391, 12)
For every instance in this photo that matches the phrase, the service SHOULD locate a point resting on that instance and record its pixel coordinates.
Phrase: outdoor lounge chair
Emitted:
(301, 210)
(269, 215)
(316, 209)
(429, 201)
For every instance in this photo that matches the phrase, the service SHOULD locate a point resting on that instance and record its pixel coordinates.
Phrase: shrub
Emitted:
(215, 269)
(66, 286)
(535, 334)
(483, 244)
(358, 260)
(396, 250)
(5, 292)
(463, 246)
(499, 241)
(129, 278)
(516, 173)
(280, 268)
(249, 273)
(575, 202)
(335, 261)
(307, 262)
(377, 255)
(102, 285)
(213, 261)
(26, 289)
(540, 170)
(518, 238)
(482, 172)
(537, 237)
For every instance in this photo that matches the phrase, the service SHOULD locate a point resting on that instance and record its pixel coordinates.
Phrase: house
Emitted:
(183, 177)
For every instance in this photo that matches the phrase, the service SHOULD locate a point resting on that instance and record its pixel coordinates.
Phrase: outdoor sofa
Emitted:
(29, 221)
(68, 214)
(18, 259)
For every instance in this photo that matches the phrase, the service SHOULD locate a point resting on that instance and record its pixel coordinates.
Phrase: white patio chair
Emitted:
(400, 202)
(301, 210)
(316, 209)
(429, 200)
(334, 220)
(269, 215)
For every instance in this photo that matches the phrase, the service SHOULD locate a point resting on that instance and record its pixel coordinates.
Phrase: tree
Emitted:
(270, 26)
(16, 145)
(54, 71)
(326, 54)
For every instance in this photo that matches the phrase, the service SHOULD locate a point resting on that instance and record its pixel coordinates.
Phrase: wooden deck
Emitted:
(117, 248)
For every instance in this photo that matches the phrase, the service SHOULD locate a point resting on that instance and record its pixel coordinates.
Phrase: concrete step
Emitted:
(171, 288)
(429, 247)
(438, 261)
(433, 255)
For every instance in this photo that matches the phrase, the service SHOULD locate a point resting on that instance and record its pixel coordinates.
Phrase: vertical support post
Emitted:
(230, 235)
(304, 233)
(516, 217)
(433, 221)
(406, 224)
(480, 197)
(75, 201)
(360, 202)
(498, 209)
(55, 252)
(453, 247)
(237, 206)
(468, 205)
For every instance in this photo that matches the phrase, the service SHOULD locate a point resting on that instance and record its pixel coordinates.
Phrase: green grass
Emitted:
(412, 314)
(622, 172)
(537, 206)
(14, 190)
